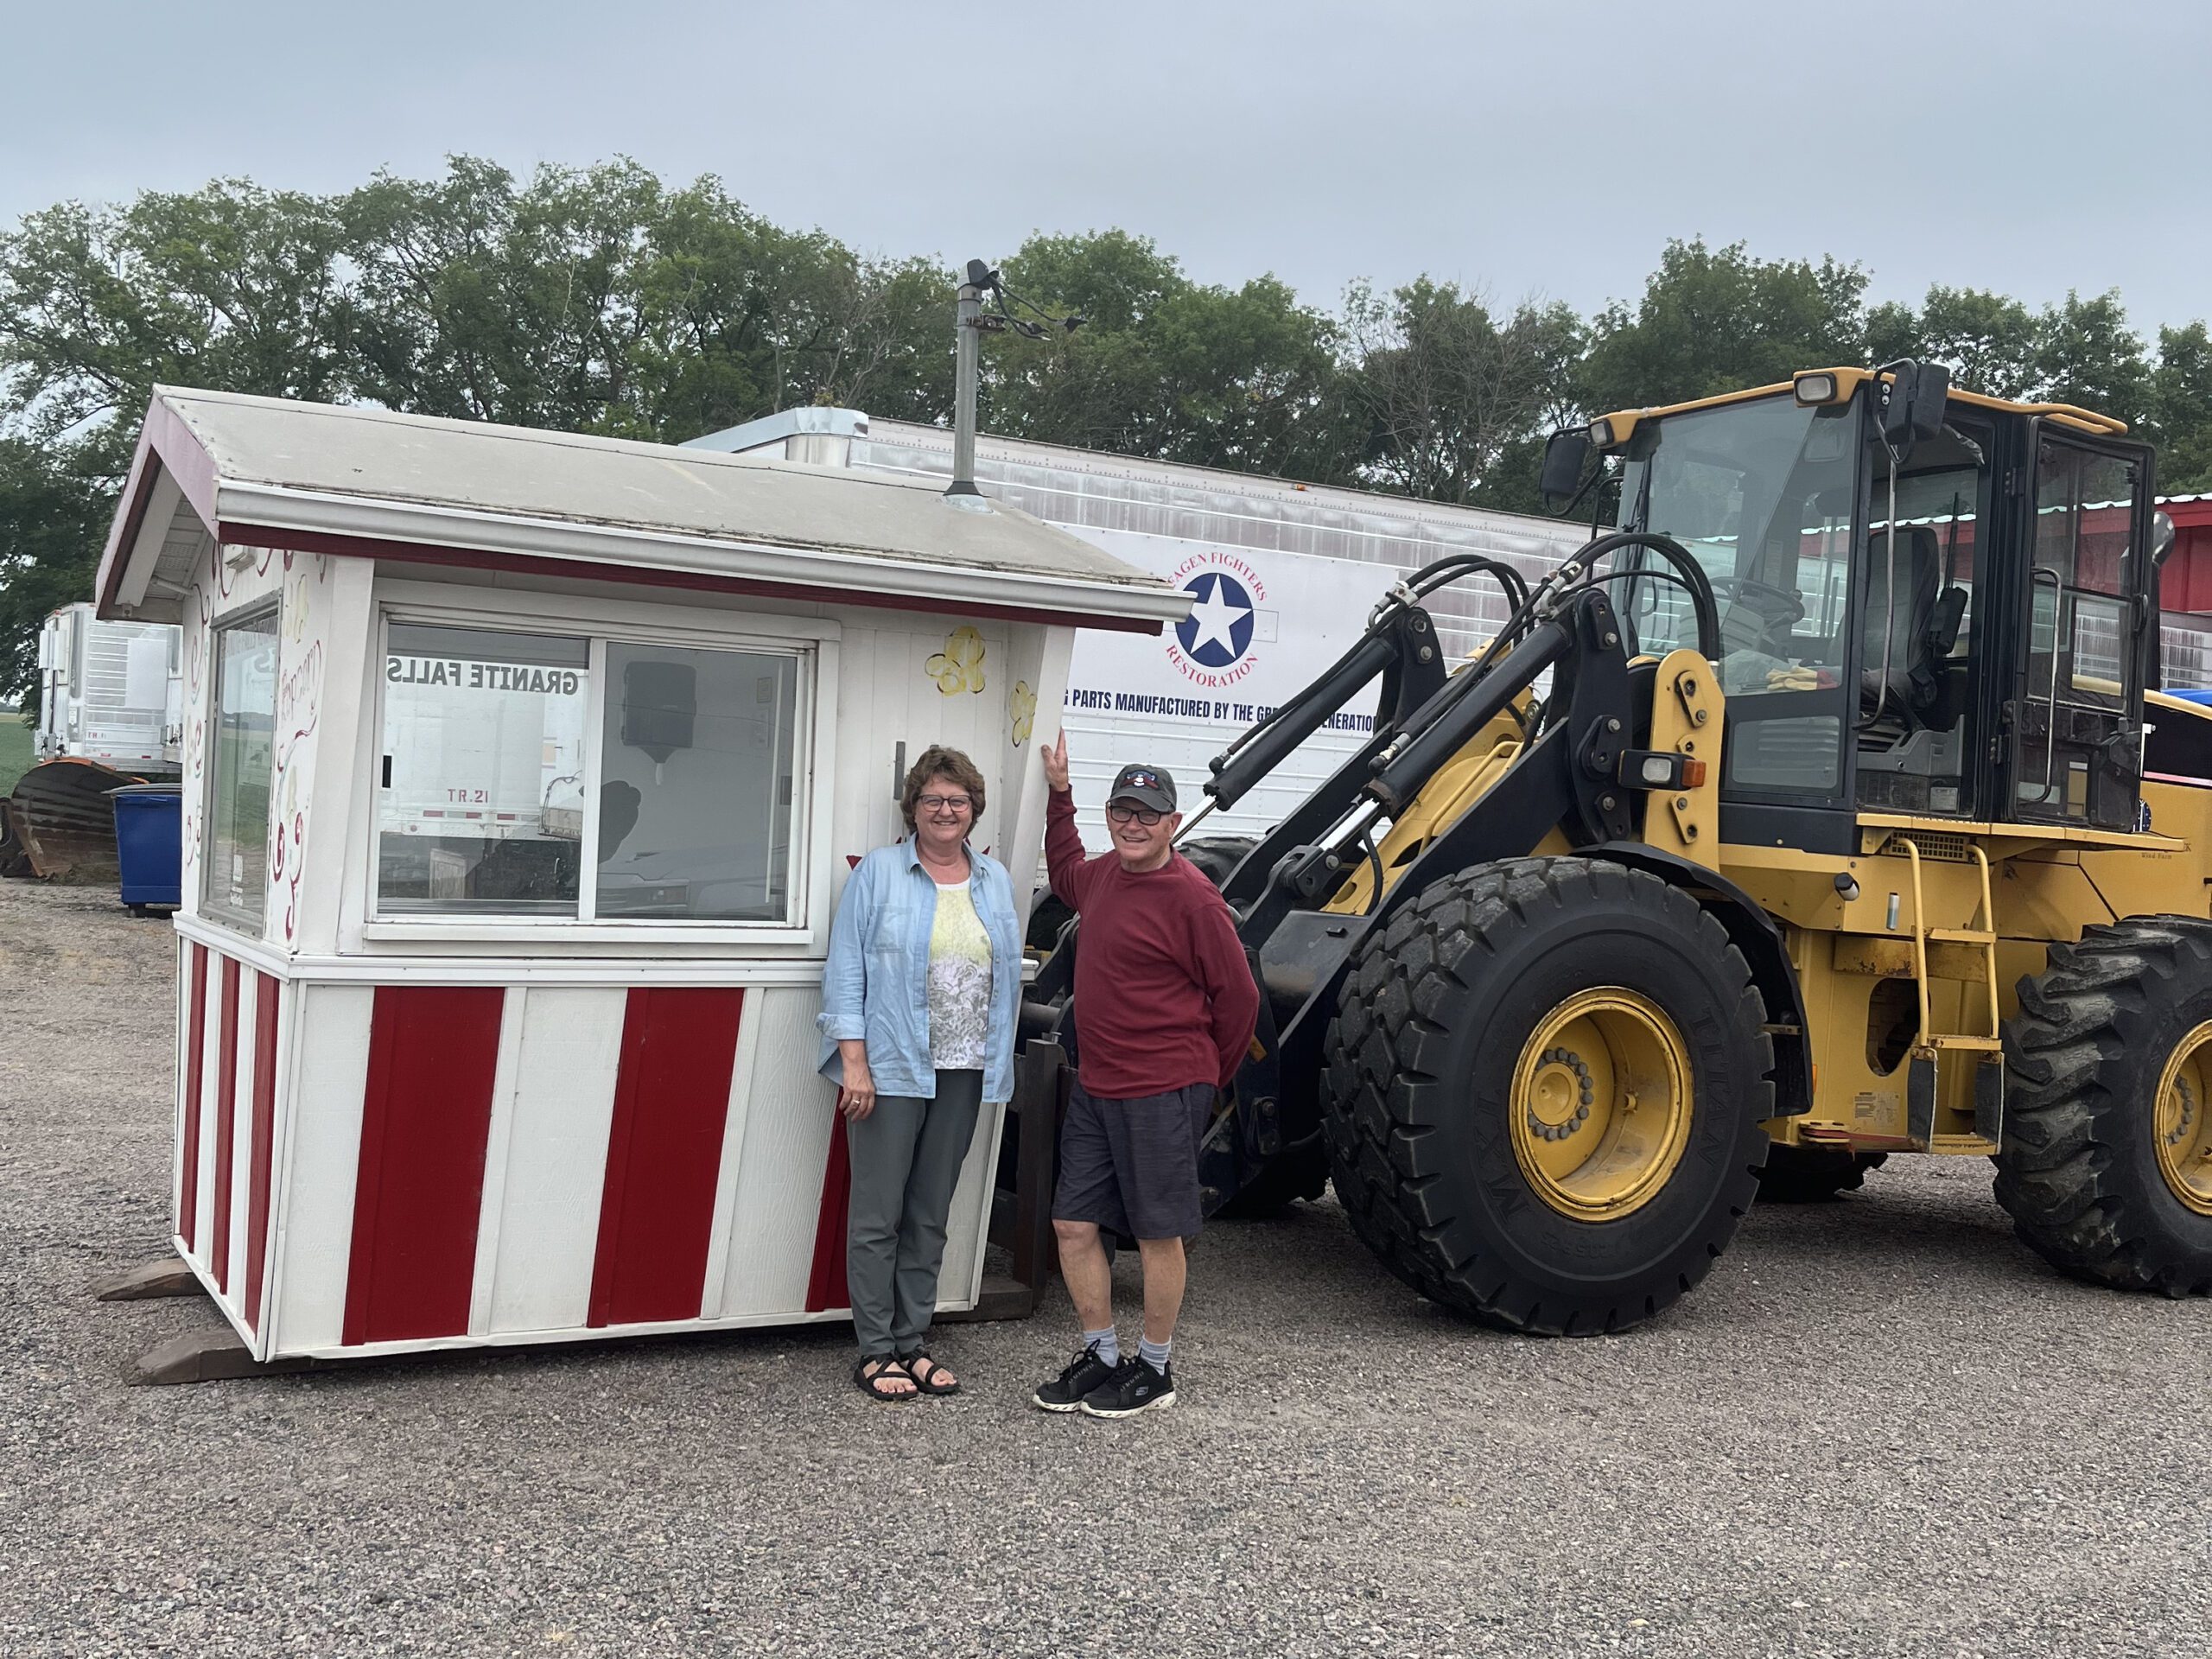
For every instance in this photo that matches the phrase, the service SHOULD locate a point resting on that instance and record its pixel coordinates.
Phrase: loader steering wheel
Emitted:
(1779, 605)
(1778, 609)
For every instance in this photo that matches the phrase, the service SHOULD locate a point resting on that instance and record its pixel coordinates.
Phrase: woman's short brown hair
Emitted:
(937, 761)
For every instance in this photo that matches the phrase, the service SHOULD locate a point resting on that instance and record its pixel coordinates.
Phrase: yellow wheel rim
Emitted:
(2182, 1127)
(1601, 1103)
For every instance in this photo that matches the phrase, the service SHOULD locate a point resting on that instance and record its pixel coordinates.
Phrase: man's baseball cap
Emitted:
(1146, 785)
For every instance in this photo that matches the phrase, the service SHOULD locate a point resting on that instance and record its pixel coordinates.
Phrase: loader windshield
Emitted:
(1761, 494)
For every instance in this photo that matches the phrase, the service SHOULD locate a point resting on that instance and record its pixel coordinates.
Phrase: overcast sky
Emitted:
(1546, 148)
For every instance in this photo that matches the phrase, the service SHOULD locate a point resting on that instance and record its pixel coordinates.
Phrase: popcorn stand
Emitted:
(522, 773)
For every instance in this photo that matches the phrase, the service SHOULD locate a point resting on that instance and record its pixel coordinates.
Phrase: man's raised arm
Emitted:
(1063, 853)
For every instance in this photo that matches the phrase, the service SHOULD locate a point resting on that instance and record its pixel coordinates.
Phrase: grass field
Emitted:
(16, 752)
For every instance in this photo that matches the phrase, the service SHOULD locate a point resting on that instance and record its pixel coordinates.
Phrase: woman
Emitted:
(918, 1002)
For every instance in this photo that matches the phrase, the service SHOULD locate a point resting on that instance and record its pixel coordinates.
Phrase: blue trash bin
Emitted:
(150, 843)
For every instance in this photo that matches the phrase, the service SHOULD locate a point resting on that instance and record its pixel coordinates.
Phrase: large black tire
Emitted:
(1809, 1174)
(1217, 855)
(1047, 916)
(2079, 1169)
(1430, 1027)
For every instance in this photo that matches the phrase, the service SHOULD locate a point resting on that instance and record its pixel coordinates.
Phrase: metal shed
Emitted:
(522, 770)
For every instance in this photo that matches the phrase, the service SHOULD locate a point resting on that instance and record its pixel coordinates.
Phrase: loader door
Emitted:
(2075, 714)
(1923, 644)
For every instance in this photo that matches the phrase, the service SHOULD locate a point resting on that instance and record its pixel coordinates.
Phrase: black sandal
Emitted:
(886, 1366)
(927, 1384)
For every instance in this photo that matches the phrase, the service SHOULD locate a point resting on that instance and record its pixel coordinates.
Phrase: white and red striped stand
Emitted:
(369, 1168)
(486, 1122)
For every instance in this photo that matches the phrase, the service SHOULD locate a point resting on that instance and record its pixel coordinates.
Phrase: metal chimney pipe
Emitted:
(969, 330)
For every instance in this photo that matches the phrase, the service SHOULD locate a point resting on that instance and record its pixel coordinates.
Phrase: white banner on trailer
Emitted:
(1263, 625)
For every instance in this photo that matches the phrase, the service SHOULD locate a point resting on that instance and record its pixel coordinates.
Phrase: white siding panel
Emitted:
(242, 1142)
(314, 1238)
(555, 1165)
(745, 1064)
(785, 1149)
(499, 1136)
(970, 1215)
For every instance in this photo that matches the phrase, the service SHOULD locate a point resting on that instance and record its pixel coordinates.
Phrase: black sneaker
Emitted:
(1085, 1372)
(1134, 1387)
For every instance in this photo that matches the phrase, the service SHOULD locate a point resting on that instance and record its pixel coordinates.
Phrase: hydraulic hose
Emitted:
(1692, 575)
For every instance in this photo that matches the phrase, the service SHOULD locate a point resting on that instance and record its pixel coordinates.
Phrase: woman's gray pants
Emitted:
(905, 1158)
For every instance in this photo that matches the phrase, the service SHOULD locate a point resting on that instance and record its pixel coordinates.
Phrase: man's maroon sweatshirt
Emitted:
(1163, 997)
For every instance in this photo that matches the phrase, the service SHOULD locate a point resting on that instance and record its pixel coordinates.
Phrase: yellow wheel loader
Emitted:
(1816, 811)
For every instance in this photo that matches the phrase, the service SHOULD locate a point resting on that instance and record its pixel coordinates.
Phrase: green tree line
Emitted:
(603, 300)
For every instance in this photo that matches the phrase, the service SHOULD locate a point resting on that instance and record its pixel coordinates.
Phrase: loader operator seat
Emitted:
(1914, 689)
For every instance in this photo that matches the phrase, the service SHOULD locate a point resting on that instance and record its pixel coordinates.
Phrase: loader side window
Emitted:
(2071, 762)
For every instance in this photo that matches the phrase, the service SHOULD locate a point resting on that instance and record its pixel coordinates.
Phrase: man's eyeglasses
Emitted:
(954, 803)
(1143, 815)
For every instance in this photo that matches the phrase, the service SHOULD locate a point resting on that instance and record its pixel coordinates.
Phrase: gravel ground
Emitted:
(1880, 1428)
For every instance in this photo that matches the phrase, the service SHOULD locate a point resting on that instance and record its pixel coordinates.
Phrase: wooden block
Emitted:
(166, 1276)
(1003, 1297)
(206, 1357)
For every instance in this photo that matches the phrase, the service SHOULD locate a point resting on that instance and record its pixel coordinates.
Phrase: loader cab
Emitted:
(1953, 625)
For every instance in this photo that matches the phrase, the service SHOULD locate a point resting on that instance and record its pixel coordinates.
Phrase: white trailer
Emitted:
(1283, 574)
(111, 692)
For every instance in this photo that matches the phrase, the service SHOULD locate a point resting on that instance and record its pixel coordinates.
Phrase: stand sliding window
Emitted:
(596, 780)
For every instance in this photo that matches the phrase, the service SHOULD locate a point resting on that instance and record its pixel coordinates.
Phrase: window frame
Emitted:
(268, 610)
(811, 642)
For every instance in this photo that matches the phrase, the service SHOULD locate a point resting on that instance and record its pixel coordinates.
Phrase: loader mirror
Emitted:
(1565, 456)
(1914, 409)
(2161, 536)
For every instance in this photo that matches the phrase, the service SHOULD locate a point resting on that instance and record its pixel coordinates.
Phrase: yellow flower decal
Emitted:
(1023, 706)
(959, 666)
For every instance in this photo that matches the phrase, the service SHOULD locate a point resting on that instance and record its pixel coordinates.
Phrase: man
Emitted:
(1165, 1007)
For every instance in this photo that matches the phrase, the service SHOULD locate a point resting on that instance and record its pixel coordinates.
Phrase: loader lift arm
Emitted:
(1573, 773)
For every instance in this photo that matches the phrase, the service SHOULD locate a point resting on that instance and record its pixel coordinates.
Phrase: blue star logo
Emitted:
(1218, 630)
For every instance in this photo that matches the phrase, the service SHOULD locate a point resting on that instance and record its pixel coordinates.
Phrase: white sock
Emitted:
(1106, 1342)
(1154, 1354)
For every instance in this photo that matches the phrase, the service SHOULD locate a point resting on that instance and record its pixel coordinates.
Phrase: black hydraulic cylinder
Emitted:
(1401, 778)
(1299, 720)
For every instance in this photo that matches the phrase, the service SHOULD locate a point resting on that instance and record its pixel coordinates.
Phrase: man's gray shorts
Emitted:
(1133, 1165)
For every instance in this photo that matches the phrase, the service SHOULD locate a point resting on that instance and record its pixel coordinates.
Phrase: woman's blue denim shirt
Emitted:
(875, 984)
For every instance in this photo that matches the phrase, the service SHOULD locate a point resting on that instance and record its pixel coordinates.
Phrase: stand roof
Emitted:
(266, 472)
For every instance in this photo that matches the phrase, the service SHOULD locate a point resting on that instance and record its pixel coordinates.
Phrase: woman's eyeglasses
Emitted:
(1143, 815)
(947, 804)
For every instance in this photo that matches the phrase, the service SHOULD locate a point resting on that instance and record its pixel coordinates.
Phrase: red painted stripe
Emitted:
(226, 1114)
(195, 1055)
(426, 1116)
(825, 1284)
(263, 1132)
(663, 1154)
